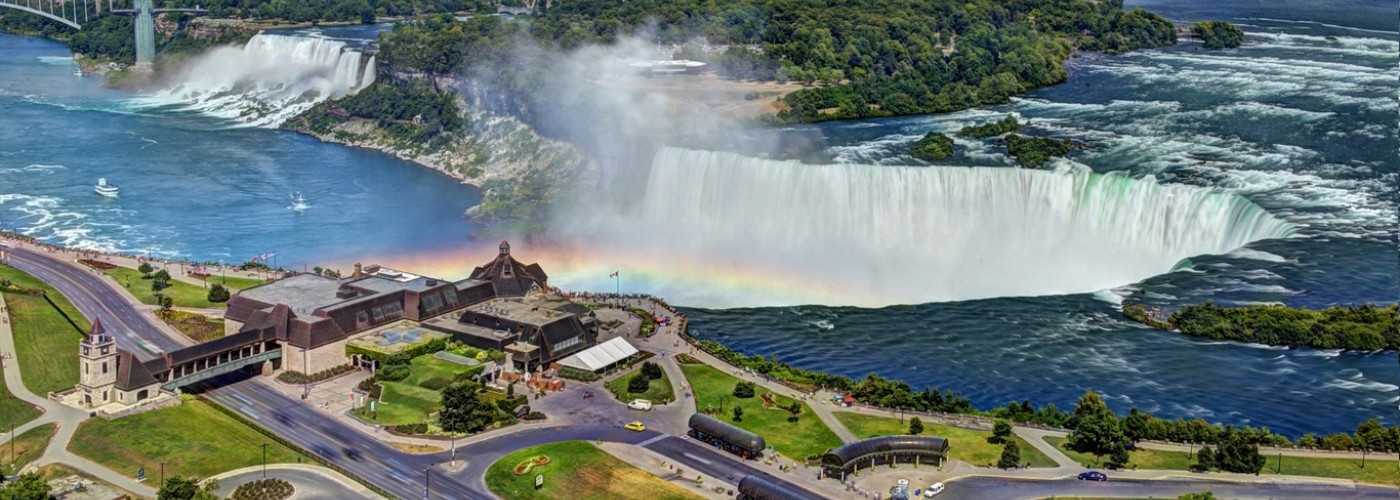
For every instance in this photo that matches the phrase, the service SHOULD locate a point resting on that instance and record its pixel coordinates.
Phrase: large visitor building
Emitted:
(303, 323)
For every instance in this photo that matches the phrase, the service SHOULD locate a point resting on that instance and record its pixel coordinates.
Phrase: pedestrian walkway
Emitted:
(68, 420)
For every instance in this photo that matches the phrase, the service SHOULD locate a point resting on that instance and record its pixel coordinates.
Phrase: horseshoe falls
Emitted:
(876, 235)
(266, 81)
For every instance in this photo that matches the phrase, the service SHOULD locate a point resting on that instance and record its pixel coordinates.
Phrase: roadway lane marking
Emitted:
(654, 439)
(697, 459)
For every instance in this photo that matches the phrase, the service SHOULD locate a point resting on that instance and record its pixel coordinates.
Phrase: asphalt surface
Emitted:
(985, 488)
(309, 485)
(403, 474)
(96, 299)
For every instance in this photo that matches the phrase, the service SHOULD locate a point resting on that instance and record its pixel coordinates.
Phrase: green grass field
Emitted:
(807, 437)
(968, 445)
(1376, 471)
(408, 401)
(234, 282)
(28, 447)
(659, 392)
(577, 469)
(183, 294)
(193, 439)
(47, 344)
(14, 411)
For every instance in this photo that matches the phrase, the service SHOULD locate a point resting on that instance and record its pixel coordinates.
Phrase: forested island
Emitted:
(1218, 34)
(1365, 327)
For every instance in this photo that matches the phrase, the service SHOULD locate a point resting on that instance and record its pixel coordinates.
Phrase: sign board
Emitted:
(141, 474)
(371, 405)
(539, 481)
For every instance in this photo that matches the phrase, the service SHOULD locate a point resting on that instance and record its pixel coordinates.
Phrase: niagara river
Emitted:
(1264, 174)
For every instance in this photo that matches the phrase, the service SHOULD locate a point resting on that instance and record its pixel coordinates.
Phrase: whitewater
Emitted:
(869, 235)
(266, 81)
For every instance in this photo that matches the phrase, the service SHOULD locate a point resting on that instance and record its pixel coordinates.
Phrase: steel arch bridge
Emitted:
(76, 13)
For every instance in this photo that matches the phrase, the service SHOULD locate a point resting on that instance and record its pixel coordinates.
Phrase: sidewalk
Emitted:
(67, 419)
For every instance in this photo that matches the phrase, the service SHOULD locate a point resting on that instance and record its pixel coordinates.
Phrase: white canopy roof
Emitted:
(599, 356)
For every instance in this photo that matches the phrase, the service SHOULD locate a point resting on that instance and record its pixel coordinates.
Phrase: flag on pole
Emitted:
(613, 275)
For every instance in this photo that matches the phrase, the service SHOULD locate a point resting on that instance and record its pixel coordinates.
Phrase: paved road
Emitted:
(309, 485)
(97, 299)
(984, 488)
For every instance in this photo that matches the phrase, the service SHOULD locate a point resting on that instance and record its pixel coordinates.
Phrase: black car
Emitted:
(1093, 476)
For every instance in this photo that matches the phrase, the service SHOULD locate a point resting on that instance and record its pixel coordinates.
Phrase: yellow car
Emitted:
(636, 425)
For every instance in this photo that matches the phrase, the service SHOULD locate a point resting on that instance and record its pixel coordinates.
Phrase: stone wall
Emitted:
(161, 401)
(321, 358)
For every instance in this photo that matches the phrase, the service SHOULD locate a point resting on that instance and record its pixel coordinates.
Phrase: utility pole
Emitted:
(264, 447)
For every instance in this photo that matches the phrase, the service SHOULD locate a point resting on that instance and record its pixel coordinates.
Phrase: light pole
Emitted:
(264, 447)
(12, 443)
(454, 450)
(427, 474)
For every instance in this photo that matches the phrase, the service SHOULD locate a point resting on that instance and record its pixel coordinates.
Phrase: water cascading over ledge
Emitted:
(269, 79)
(740, 231)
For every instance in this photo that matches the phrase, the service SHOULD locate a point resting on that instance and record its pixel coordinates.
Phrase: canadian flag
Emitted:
(613, 275)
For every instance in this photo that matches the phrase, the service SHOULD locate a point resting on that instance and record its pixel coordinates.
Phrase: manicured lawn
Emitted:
(47, 344)
(577, 469)
(12, 410)
(968, 445)
(659, 391)
(1142, 458)
(193, 439)
(805, 438)
(1376, 471)
(409, 401)
(235, 282)
(183, 294)
(28, 446)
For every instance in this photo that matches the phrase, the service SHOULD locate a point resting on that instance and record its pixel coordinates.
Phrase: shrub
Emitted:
(435, 383)
(638, 384)
(393, 373)
(744, 390)
(534, 415)
(577, 374)
(217, 293)
(399, 359)
(263, 489)
(370, 386)
(294, 377)
(652, 371)
(415, 428)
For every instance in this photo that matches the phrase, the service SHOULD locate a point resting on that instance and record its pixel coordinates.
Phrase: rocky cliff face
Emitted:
(519, 172)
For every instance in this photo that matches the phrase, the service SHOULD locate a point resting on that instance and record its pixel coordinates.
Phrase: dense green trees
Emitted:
(933, 146)
(1364, 327)
(463, 410)
(638, 384)
(218, 293)
(1097, 429)
(1001, 431)
(651, 371)
(185, 488)
(991, 129)
(1035, 152)
(879, 58)
(28, 486)
(1219, 34)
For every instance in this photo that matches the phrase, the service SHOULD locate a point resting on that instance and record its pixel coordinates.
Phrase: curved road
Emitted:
(403, 474)
(309, 484)
(97, 298)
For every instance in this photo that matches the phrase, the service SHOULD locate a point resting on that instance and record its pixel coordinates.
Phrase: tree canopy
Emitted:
(1218, 34)
(932, 147)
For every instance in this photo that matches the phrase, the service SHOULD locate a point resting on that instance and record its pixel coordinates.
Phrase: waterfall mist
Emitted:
(738, 231)
(267, 80)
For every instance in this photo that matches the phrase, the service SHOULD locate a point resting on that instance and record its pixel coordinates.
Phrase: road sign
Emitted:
(141, 474)
(371, 405)
(539, 481)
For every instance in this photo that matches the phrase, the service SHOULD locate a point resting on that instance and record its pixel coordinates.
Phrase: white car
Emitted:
(933, 490)
(640, 404)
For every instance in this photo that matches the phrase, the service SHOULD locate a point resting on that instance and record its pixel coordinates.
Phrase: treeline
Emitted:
(932, 147)
(1364, 327)
(882, 57)
(303, 11)
(1218, 34)
(110, 38)
(412, 112)
(1136, 426)
(991, 129)
(1035, 152)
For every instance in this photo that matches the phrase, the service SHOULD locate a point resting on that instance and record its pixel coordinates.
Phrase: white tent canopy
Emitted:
(600, 356)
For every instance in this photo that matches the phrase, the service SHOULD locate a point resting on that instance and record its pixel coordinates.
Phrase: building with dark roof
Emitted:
(755, 487)
(726, 436)
(884, 450)
(533, 331)
(509, 277)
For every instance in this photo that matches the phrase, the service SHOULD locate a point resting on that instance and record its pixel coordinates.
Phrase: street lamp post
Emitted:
(427, 475)
(454, 450)
(264, 447)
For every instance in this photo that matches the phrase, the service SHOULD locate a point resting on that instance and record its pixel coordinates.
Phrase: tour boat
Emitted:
(105, 189)
(299, 202)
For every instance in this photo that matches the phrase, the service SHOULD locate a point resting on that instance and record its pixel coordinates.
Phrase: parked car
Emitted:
(640, 404)
(1093, 475)
(933, 490)
(635, 425)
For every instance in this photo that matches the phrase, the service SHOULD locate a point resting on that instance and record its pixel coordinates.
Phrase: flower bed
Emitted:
(97, 264)
(529, 464)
